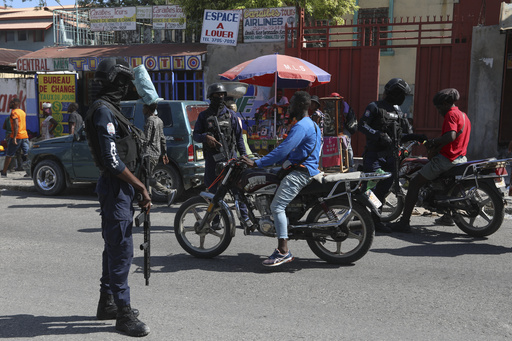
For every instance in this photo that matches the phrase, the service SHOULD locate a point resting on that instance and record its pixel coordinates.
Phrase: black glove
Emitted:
(414, 137)
(385, 140)
(429, 144)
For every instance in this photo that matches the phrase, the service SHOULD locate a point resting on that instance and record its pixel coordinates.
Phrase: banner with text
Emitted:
(267, 24)
(170, 17)
(113, 19)
(220, 27)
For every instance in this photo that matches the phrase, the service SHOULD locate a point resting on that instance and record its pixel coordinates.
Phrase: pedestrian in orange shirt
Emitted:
(19, 136)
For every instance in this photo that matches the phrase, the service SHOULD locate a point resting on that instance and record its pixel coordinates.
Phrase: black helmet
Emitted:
(110, 68)
(397, 86)
(395, 91)
(215, 88)
(315, 99)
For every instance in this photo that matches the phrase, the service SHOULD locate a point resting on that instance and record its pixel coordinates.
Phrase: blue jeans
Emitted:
(290, 186)
(13, 148)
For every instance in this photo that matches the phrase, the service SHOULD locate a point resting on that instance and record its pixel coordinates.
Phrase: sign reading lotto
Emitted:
(60, 91)
(113, 19)
(267, 24)
(169, 18)
(152, 63)
(220, 27)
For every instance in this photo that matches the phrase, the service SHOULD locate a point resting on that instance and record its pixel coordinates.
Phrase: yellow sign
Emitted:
(60, 91)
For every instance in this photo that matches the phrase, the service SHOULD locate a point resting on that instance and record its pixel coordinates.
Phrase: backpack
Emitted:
(129, 146)
(350, 120)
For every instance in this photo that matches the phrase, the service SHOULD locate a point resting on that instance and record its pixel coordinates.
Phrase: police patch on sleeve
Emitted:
(367, 113)
(111, 129)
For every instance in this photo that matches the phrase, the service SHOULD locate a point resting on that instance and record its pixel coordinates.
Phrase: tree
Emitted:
(316, 9)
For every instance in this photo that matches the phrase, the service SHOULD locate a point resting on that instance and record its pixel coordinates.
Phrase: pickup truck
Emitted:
(56, 163)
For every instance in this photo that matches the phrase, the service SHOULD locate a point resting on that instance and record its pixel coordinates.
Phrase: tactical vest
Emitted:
(389, 122)
(225, 126)
(129, 146)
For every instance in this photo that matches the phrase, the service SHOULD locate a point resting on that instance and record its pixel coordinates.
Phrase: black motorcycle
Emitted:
(471, 193)
(330, 213)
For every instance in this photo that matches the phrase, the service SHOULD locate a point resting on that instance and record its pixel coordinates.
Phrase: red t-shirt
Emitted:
(455, 120)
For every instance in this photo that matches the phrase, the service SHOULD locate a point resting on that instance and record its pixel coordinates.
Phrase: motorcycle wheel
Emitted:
(392, 206)
(350, 241)
(490, 213)
(202, 245)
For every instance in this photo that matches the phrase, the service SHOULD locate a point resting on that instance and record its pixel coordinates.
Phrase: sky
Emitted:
(33, 3)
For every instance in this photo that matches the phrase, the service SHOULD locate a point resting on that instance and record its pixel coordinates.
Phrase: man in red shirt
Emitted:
(19, 137)
(445, 151)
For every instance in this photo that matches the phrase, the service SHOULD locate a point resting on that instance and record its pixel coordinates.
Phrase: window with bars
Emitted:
(372, 17)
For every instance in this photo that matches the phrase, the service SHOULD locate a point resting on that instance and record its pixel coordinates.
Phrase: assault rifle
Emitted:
(144, 216)
(224, 148)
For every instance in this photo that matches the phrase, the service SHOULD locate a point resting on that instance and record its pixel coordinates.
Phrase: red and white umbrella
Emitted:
(285, 71)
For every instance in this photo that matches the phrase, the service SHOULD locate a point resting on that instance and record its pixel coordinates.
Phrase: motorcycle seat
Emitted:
(335, 177)
(461, 168)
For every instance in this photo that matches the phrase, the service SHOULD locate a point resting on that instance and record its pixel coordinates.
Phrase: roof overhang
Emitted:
(155, 57)
(26, 26)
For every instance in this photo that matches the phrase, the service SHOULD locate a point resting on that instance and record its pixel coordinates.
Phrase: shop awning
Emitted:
(155, 57)
(8, 56)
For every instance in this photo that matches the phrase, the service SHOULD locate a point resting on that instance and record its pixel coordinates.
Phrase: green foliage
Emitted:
(194, 9)
(317, 9)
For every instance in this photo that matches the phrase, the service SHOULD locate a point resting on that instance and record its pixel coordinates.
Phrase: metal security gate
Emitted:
(351, 54)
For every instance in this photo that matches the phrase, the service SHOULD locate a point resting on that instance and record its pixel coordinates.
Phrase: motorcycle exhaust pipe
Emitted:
(328, 224)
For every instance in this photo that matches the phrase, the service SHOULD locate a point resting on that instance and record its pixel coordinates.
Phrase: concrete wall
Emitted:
(484, 97)
(222, 58)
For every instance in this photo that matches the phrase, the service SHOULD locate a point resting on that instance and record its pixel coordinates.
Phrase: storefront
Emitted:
(176, 70)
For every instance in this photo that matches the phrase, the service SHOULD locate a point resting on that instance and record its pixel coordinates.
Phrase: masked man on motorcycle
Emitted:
(384, 124)
(302, 150)
(218, 130)
(445, 151)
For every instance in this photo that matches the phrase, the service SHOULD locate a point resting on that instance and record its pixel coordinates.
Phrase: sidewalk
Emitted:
(17, 181)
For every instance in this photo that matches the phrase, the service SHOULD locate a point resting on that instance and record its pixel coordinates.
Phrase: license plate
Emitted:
(199, 154)
(373, 198)
(500, 183)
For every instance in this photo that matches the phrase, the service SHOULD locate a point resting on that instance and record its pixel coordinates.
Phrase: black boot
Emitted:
(107, 309)
(128, 323)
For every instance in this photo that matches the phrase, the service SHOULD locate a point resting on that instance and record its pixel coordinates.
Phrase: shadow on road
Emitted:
(25, 326)
(243, 262)
(432, 243)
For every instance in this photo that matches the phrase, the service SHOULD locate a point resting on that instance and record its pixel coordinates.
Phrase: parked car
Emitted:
(56, 163)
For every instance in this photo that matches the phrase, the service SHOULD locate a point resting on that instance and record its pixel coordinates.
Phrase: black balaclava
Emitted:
(114, 92)
(217, 103)
(395, 97)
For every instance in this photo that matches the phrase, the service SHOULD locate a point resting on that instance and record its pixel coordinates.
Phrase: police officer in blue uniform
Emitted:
(116, 189)
(383, 124)
(217, 119)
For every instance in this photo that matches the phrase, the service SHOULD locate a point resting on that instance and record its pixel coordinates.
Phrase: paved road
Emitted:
(434, 284)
